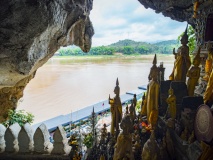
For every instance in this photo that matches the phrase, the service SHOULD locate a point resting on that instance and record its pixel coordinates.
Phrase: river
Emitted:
(63, 85)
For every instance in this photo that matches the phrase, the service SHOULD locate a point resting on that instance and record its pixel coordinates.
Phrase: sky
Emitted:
(115, 20)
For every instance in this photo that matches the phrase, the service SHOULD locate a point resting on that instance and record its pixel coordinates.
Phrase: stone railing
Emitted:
(23, 140)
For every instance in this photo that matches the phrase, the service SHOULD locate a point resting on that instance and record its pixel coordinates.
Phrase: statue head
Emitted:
(126, 124)
(117, 88)
(154, 70)
(197, 59)
(184, 38)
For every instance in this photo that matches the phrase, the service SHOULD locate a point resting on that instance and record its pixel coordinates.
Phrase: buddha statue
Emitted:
(208, 94)
(182, 60)
(193, 74)
(131, 112)
(123, 147)
(127, 109)
(116, 109)
(134, 101)
(143, 105)
(208, 64)
(152, 96)
(171, 101)
(151, 149)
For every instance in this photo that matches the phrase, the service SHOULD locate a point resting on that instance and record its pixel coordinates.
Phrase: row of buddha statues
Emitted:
(133, 136)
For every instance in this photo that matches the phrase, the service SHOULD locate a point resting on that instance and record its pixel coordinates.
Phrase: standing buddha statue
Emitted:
(116, 109)
(208, 65)
(194, 74)
(152, 96)
(182, 60)
(171, 101)
(143, 105)
(208, 94)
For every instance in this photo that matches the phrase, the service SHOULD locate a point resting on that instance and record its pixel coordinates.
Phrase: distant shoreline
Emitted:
(160, 57)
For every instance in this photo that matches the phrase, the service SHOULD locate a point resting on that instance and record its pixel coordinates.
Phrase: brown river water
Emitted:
(63, 85)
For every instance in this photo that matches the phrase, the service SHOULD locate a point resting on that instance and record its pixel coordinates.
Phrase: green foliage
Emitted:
(88, 140)
(21, 117)
(192, 38)
(127, 47)
(138, 106)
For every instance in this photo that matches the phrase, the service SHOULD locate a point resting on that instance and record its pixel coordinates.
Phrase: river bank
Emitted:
(68, 84)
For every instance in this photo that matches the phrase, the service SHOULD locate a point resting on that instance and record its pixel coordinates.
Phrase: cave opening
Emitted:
(54, 84)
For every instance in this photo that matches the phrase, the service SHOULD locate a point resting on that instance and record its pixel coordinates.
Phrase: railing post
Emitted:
(41, 139)
(25, 139)
(2, 141)
(11, 138)
(60, 145)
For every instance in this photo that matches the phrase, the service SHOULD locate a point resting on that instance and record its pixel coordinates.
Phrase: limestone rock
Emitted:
(181, 10)
(31, 32)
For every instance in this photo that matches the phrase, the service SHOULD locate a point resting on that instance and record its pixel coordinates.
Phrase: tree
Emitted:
(21, 117)
(192, 38)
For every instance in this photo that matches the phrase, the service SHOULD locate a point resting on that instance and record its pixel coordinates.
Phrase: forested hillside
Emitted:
(126, 47)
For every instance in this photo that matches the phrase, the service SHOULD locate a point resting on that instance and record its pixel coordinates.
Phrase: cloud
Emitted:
(115, 20)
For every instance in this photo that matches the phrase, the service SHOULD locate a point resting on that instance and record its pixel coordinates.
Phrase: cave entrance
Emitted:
(209, 26)
(64, 84)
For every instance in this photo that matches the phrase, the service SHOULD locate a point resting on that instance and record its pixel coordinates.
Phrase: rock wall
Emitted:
(31, 31)
(180, 10)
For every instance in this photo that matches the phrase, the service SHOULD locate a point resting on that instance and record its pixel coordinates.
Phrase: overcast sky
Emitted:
(115, 20)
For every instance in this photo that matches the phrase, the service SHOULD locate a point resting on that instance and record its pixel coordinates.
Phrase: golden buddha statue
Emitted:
(208, 64)
(208, 94)
(152, 96)
(116, 109)
(171, 101)
(193, 74)
(143, 105)
(182, 60)
(123, 147)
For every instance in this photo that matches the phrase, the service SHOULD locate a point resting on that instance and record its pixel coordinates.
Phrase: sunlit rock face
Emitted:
(31, 31)
(180, 10)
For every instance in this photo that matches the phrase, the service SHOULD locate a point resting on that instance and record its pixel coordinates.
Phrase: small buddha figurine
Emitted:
(123, 147)
(171, 101)
(191, 137)
(127, 110)
(184, 134)
(143, 105)
(182, 60)
(116, 109)
(103, 133)
(131, 110)
(152, 96)
(134, 101)
(194, 74)
(151, 149)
